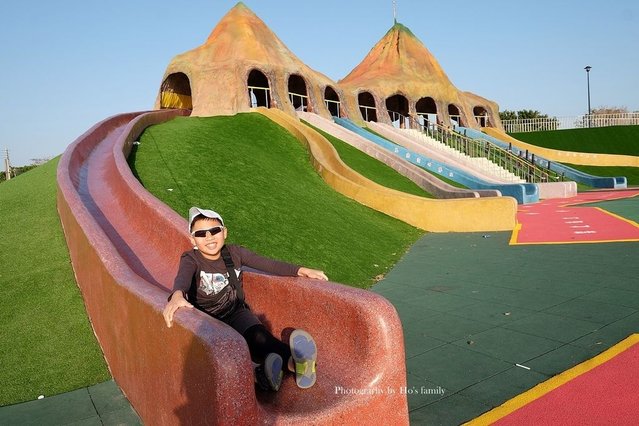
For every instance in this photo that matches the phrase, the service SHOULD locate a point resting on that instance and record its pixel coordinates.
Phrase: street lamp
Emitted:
(588, 68)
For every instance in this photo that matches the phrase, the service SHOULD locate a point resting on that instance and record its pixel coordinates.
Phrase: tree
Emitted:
(16, 171)
(609, 110)
(521, 114)
(507, 115)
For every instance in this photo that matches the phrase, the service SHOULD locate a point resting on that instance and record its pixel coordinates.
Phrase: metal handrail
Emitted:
(521, 167)
(338, 103)
(366, 108)
(267, 93)
(304, 105)
(396, 116)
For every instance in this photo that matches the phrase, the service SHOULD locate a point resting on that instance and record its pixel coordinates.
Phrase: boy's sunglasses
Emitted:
(202, 232)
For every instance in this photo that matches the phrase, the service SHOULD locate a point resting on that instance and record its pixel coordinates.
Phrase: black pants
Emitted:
(260, 341)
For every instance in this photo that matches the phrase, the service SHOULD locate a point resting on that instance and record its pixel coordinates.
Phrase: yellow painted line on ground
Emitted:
(515, 235)
(631, 222)
(629, 240)
(549, 385)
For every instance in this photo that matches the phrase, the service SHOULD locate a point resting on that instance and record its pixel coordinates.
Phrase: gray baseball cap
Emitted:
(196, 211)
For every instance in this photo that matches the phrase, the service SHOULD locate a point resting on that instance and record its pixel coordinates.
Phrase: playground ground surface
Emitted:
(483, 321)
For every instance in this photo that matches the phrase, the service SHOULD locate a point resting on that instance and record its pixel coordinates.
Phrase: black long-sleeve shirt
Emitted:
(206, 284)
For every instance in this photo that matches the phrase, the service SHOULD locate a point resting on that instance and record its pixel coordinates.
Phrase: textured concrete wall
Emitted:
(218, 72)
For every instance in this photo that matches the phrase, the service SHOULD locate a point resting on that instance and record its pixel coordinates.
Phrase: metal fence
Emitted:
(572, 122)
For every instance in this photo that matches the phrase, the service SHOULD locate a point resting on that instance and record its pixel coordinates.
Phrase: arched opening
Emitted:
(455, 115)
(397, 107)
(481, 115)
(258, 89)
(175, 92)
(426, 109)
(332, 101)
(367, 108)
(297, 93)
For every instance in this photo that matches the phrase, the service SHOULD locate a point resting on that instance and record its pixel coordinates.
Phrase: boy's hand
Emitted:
(312, 273)
(177, 302)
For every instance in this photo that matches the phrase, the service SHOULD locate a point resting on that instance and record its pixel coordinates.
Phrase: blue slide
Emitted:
(569, 172)
(523, 192)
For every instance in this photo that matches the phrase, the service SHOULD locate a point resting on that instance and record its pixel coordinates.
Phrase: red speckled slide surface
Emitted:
(125, 247)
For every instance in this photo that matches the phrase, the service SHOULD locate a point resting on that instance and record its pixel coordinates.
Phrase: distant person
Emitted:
(210, 279)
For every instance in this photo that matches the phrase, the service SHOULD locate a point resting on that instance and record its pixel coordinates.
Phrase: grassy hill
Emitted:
(622, 140)
(606, 140)
(47, 345)
(373, 169)
(259, 177)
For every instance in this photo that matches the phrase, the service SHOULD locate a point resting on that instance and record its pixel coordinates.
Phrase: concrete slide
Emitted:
(407, 139)
(523, 192)
(125, 246)
(550, 158)
(421, 177)
(453, 215)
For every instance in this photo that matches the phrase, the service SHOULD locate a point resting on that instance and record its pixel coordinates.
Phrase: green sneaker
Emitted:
(304, 353)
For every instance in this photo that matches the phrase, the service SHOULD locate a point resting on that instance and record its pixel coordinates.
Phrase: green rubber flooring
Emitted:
(628, 207)
(102, 404)
(484, 321)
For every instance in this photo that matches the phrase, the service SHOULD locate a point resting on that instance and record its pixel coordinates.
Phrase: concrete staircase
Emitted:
(479, 163)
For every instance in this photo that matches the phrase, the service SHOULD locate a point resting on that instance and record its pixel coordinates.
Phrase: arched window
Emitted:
(332, 101)
(397, 107)
(297, 93)
(455, 115)
(481, 115)
(367, 108)
(259, 90)
(175, 92)
(426, 109)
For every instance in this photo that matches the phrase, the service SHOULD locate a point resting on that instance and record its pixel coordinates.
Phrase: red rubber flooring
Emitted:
(600, 391)
(562, 221)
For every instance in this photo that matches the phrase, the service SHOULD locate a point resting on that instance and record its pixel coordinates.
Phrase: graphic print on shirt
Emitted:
(212, 283)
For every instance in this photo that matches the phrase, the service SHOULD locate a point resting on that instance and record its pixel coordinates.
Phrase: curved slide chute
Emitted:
(418, 175)
(125, 246)
(549, 158)
(456, 215)
(522, 192)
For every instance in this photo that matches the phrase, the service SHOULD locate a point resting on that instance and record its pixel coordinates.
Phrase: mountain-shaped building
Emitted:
(243, 65)
(400, 79)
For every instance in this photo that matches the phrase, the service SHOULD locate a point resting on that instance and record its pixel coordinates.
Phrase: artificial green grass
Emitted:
(606, 140)
(47, 344)
(631, 173)
(621, 140)
(372, 168)
(259, 177)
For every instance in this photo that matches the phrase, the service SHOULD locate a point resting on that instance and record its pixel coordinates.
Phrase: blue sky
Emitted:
(68, 64)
